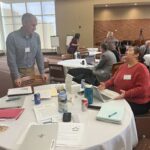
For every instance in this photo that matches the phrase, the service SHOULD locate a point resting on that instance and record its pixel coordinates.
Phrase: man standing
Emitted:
(23, 49)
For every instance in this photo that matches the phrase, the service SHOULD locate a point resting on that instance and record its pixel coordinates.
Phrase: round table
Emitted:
(98, 135)
(74, 63)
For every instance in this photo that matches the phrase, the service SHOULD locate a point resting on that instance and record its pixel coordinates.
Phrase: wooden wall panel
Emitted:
(123, 29)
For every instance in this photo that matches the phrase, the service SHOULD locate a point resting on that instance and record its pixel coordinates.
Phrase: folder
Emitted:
(12, 102)
(11, 113)
(20, 91)
(111, 112)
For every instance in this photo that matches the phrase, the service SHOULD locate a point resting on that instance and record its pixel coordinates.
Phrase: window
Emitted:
(11, 13)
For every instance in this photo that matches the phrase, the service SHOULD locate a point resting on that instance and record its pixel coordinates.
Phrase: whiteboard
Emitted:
(54, 41)
(68, 39)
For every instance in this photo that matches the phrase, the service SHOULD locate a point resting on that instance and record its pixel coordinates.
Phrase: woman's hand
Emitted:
(102, 86)
(121, 95)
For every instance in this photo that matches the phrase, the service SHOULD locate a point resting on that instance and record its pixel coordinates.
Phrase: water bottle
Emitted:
(82, 83)
(88, 93)
(62, 102)
(75, 55)
(78, 55)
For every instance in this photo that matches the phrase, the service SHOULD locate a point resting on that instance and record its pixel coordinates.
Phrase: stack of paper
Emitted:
(110, 112)
(46, 93)
(11, 113)
(20, 91)
(109, 93)
(72, 137)
(46, 113)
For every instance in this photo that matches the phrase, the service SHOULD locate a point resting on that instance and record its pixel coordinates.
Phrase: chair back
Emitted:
(32, 81)
(115, 67)
(56, 73)
(84, 54)
(98, 56)
(66, 56)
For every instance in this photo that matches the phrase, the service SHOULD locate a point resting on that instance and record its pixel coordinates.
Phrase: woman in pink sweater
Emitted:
(132, 81)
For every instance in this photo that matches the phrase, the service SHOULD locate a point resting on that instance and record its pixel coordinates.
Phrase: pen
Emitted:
(13, 99)
(112, 114)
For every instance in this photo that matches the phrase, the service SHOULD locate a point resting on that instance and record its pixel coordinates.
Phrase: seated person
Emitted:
(73, 46)
(132, 81)
(104, 67)
(112, 47)
(144, 49)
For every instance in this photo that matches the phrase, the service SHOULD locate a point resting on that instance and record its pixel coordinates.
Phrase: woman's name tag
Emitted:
(127, 77)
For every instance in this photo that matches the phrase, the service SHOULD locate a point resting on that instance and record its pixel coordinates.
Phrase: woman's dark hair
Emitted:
(77, 36)
(104, 46)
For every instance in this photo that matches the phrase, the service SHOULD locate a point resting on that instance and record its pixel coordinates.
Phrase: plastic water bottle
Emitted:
(62, 102)
(78, 55)
(88, 93)
(82, 83)
(75, 55)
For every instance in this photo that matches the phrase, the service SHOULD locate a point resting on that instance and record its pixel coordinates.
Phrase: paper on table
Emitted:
(53, 91)
(72, 136)
(109, 93)
(44, 93)
(20, 91)
(68, 82)
(46, 113)
(11, 102)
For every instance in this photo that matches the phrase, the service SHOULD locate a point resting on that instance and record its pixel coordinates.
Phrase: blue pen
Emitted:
(112, 114)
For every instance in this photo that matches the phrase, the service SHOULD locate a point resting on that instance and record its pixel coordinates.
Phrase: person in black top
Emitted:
(73, 46)
(112, 47)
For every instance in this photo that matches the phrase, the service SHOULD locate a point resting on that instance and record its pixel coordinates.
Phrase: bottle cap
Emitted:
(88, 86)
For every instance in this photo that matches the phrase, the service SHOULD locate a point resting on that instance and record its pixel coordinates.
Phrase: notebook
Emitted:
(111, 112)
(11, 113)
(40, 137)
(100, 97)
(90, 60)
(20, 91)
(12, 102)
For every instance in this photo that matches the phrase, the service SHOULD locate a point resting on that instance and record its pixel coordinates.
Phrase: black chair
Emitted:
(56, 73)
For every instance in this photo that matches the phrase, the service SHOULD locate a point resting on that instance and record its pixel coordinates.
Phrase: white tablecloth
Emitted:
(97, 135)
(75, 63)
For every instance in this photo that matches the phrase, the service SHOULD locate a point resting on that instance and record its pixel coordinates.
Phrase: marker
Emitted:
(112, 114)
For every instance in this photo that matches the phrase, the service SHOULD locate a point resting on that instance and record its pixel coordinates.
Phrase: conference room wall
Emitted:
(74, 16)
(119, 2)
(125, 22)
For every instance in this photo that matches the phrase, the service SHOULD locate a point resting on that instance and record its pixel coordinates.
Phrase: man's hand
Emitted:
(121, 95)
(18, 82)
(44, 77)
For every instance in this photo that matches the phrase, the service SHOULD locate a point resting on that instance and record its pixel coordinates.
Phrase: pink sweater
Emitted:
(134, 80)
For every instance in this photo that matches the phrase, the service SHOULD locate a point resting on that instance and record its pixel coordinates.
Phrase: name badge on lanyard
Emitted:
(127, 77)
(27, 49)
